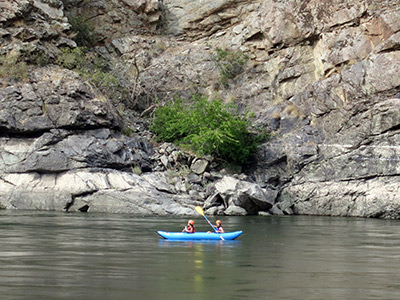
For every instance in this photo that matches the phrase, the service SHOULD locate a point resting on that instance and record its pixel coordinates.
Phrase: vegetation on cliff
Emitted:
(94, 68)
(84, 34)
(230, 64)
(12, 67)
(207, 127)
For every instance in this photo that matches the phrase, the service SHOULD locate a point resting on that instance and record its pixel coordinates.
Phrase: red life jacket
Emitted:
(189, 229)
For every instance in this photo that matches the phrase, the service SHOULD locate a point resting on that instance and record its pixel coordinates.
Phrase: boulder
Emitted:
(159, 181)
(199, 166)
(213, 200)
(235, 211)
(244, 194)
(216, 211)
(275, 210)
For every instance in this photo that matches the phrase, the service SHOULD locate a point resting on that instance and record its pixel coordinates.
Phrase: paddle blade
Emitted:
(199, 210)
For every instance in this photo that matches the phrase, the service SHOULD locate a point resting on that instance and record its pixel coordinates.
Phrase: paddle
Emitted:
(201, 212)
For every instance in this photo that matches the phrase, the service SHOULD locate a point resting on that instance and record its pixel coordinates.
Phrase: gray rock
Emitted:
(264, 213)
(386, 116)
(159, 181)
(249, 196)
(275, 210)
(235, 211)
(164, 160)
(194, 178)
(216, 211)
(373, 198)
(35, 107)
(213, 201)
(61, 150)
(95, 191)
(199, 166)
(195, 195)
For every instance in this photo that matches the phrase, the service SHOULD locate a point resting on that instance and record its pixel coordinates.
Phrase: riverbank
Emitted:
(320, 79)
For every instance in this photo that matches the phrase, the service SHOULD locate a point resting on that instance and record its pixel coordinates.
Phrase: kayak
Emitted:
(184, 236)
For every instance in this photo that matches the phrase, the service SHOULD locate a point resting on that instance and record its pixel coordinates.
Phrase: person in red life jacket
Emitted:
(218, 226)
(189, 228)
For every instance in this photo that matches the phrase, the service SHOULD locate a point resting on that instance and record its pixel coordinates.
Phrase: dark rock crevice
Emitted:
(83, 208)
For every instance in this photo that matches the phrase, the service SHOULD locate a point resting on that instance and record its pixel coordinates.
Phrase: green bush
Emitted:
(208, 127)
(230, 64)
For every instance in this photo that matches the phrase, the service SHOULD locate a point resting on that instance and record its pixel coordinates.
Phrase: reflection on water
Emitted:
(98, 256)
(199, 243)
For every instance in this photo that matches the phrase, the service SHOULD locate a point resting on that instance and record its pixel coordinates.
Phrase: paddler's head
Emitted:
(191, 223)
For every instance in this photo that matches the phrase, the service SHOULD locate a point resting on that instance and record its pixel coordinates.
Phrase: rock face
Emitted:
(95, 190)
(321, 77)
(54, 99)
(113, 19)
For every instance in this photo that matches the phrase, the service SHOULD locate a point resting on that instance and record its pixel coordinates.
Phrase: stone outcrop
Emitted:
(94, 190)
(40, 25)
(321, 77)
(54, 98)
(113, 19)
(242, 197)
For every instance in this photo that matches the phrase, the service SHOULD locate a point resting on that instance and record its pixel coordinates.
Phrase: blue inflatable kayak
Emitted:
(184, 236)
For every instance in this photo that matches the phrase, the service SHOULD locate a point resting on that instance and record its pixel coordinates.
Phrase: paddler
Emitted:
(218, 226)
(189, 228)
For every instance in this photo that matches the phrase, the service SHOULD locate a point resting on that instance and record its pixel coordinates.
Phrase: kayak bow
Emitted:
(184, 236)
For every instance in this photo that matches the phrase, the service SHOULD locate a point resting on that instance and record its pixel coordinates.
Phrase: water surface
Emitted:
(47, 255)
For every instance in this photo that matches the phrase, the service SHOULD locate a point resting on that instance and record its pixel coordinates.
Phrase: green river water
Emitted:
(51, 256)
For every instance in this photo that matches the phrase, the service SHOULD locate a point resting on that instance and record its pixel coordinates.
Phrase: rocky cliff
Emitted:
(321, 77)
